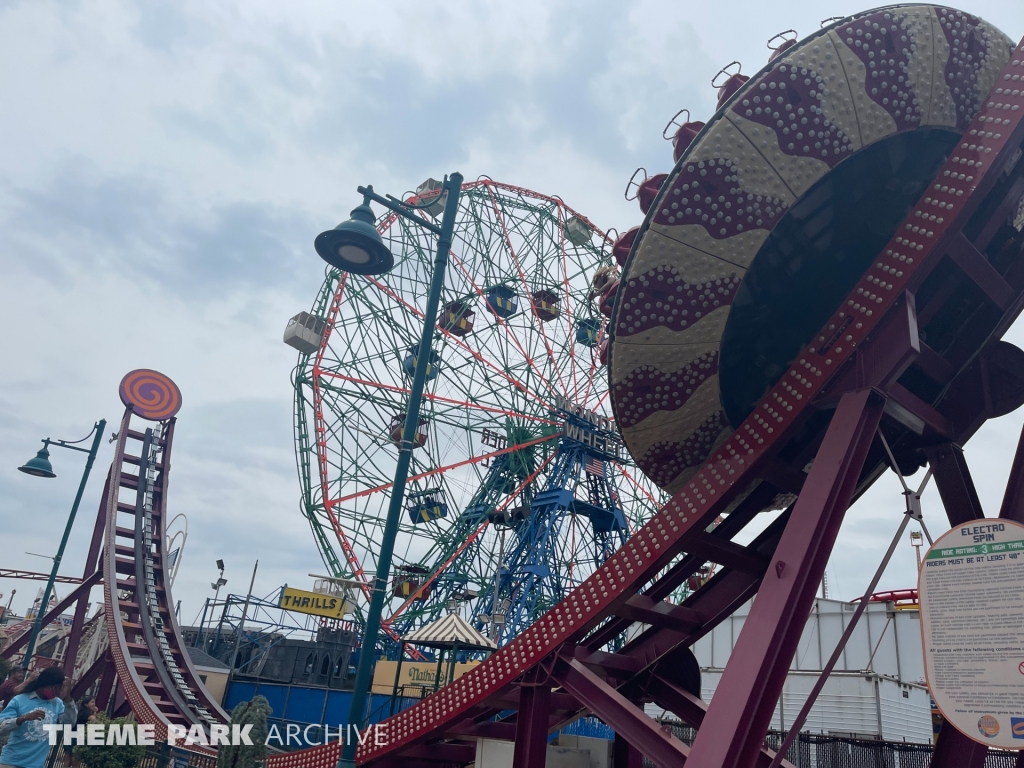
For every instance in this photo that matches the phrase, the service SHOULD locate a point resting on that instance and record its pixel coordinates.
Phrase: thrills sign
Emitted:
(331, 606)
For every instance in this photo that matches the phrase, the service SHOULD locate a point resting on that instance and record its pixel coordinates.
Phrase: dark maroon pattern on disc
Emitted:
(884, 47)
(788, 100)
(661, 298)
(707, 193)
(664, 461)
(649, 390)
(967, 51)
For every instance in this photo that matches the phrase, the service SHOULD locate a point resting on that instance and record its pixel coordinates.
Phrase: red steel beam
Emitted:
(739, 714)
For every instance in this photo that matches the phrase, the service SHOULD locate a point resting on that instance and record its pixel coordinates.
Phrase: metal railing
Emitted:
(811, 750)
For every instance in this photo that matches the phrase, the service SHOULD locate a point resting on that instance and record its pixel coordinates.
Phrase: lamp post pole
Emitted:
(453, 186)
(37, 625)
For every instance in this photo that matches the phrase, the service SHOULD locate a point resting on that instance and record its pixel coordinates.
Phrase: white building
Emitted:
(877, 689)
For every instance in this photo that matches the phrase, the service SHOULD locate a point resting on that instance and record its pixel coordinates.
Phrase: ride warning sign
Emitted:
(971, 588)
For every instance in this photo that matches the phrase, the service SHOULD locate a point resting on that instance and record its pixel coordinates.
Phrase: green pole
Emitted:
(100, 426)
(453, 185)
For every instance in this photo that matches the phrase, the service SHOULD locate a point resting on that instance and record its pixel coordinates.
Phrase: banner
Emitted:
(314, 603)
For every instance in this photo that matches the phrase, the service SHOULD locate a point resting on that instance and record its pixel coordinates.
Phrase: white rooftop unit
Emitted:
(426, 189)
(578, 231)
(304, 332)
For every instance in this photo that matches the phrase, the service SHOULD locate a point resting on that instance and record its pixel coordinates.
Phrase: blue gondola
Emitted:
(501, 300)
(587, 331)
(409, 363)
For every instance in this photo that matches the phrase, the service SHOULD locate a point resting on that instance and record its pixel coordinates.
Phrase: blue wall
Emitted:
(304, 706)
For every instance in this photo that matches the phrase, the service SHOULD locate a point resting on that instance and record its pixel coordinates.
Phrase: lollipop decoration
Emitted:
(151, 394)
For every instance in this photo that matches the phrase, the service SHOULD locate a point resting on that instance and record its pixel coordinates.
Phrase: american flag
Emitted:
(594, 466)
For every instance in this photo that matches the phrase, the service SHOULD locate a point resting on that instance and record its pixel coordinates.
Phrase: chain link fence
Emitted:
(817, 751)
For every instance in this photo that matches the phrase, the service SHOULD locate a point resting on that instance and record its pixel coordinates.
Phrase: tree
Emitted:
(113, 755)
(254, 712)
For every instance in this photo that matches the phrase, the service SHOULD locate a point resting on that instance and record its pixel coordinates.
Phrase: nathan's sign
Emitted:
(415, 680)
(315, 603)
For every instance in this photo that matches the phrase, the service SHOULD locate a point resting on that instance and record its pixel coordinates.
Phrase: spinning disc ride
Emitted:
(817, 293)
(519, 486)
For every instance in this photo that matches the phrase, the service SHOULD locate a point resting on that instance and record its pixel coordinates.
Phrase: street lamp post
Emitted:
(356, 246)
(39, 466)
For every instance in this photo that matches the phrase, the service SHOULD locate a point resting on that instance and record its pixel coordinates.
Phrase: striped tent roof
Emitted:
(449, 631)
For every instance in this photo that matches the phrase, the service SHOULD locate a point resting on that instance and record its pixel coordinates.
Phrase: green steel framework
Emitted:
(490, 397)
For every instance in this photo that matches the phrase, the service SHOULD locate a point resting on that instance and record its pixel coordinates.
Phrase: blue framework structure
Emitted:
(580, 484)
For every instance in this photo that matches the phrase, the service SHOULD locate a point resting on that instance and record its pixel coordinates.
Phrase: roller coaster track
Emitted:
(151, 659)
(823, 414)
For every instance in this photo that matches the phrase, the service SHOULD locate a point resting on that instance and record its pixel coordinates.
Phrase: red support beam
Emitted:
(625, 754)
(532, 726)
(643, 733)
(960, 499)
(1013, 498)
(737, 719)
(92, 565)
(954, 483)
(81, 592)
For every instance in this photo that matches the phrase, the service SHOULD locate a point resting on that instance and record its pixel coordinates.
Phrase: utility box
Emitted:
(304, 332)
(600, 749)
(492, 753)
(578, 231)
(430, 192)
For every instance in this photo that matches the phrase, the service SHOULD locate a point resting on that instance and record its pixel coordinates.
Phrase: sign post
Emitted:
(971, 590)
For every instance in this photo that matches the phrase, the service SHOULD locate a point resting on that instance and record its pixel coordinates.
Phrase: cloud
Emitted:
(168, 167)
(83, 221)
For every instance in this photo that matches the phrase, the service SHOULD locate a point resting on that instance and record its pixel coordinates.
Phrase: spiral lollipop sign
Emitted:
(151, 394)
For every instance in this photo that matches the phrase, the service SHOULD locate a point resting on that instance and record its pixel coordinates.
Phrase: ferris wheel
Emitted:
(519, 486)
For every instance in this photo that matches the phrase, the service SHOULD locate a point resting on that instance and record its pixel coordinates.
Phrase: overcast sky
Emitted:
(164, 170)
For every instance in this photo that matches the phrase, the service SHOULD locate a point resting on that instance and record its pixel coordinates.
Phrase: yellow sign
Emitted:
(331, 606)
(415, 679)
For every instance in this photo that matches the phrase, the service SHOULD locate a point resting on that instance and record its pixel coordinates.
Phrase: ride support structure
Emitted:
(144, 670)
(912, 349)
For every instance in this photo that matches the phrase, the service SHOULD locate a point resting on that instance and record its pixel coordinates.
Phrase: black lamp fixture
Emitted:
(355, 245)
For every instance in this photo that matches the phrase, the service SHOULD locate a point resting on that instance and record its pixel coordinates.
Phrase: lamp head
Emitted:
(39, 465)
(355, 245)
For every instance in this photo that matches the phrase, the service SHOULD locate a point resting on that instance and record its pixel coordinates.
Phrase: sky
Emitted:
(165, 168)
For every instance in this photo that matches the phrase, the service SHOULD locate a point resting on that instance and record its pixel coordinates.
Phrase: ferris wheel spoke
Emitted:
(626, 474)
(458, 342)
(594, 360)
(436, 398)
(442, 470)
(507, 241)
(503, 324)
(568, 304)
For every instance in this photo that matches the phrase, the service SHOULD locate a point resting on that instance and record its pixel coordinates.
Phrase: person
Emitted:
(12, 685)
(87, 710)
(47, 699)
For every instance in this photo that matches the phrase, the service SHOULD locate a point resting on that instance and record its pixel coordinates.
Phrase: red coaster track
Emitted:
(153, 667)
